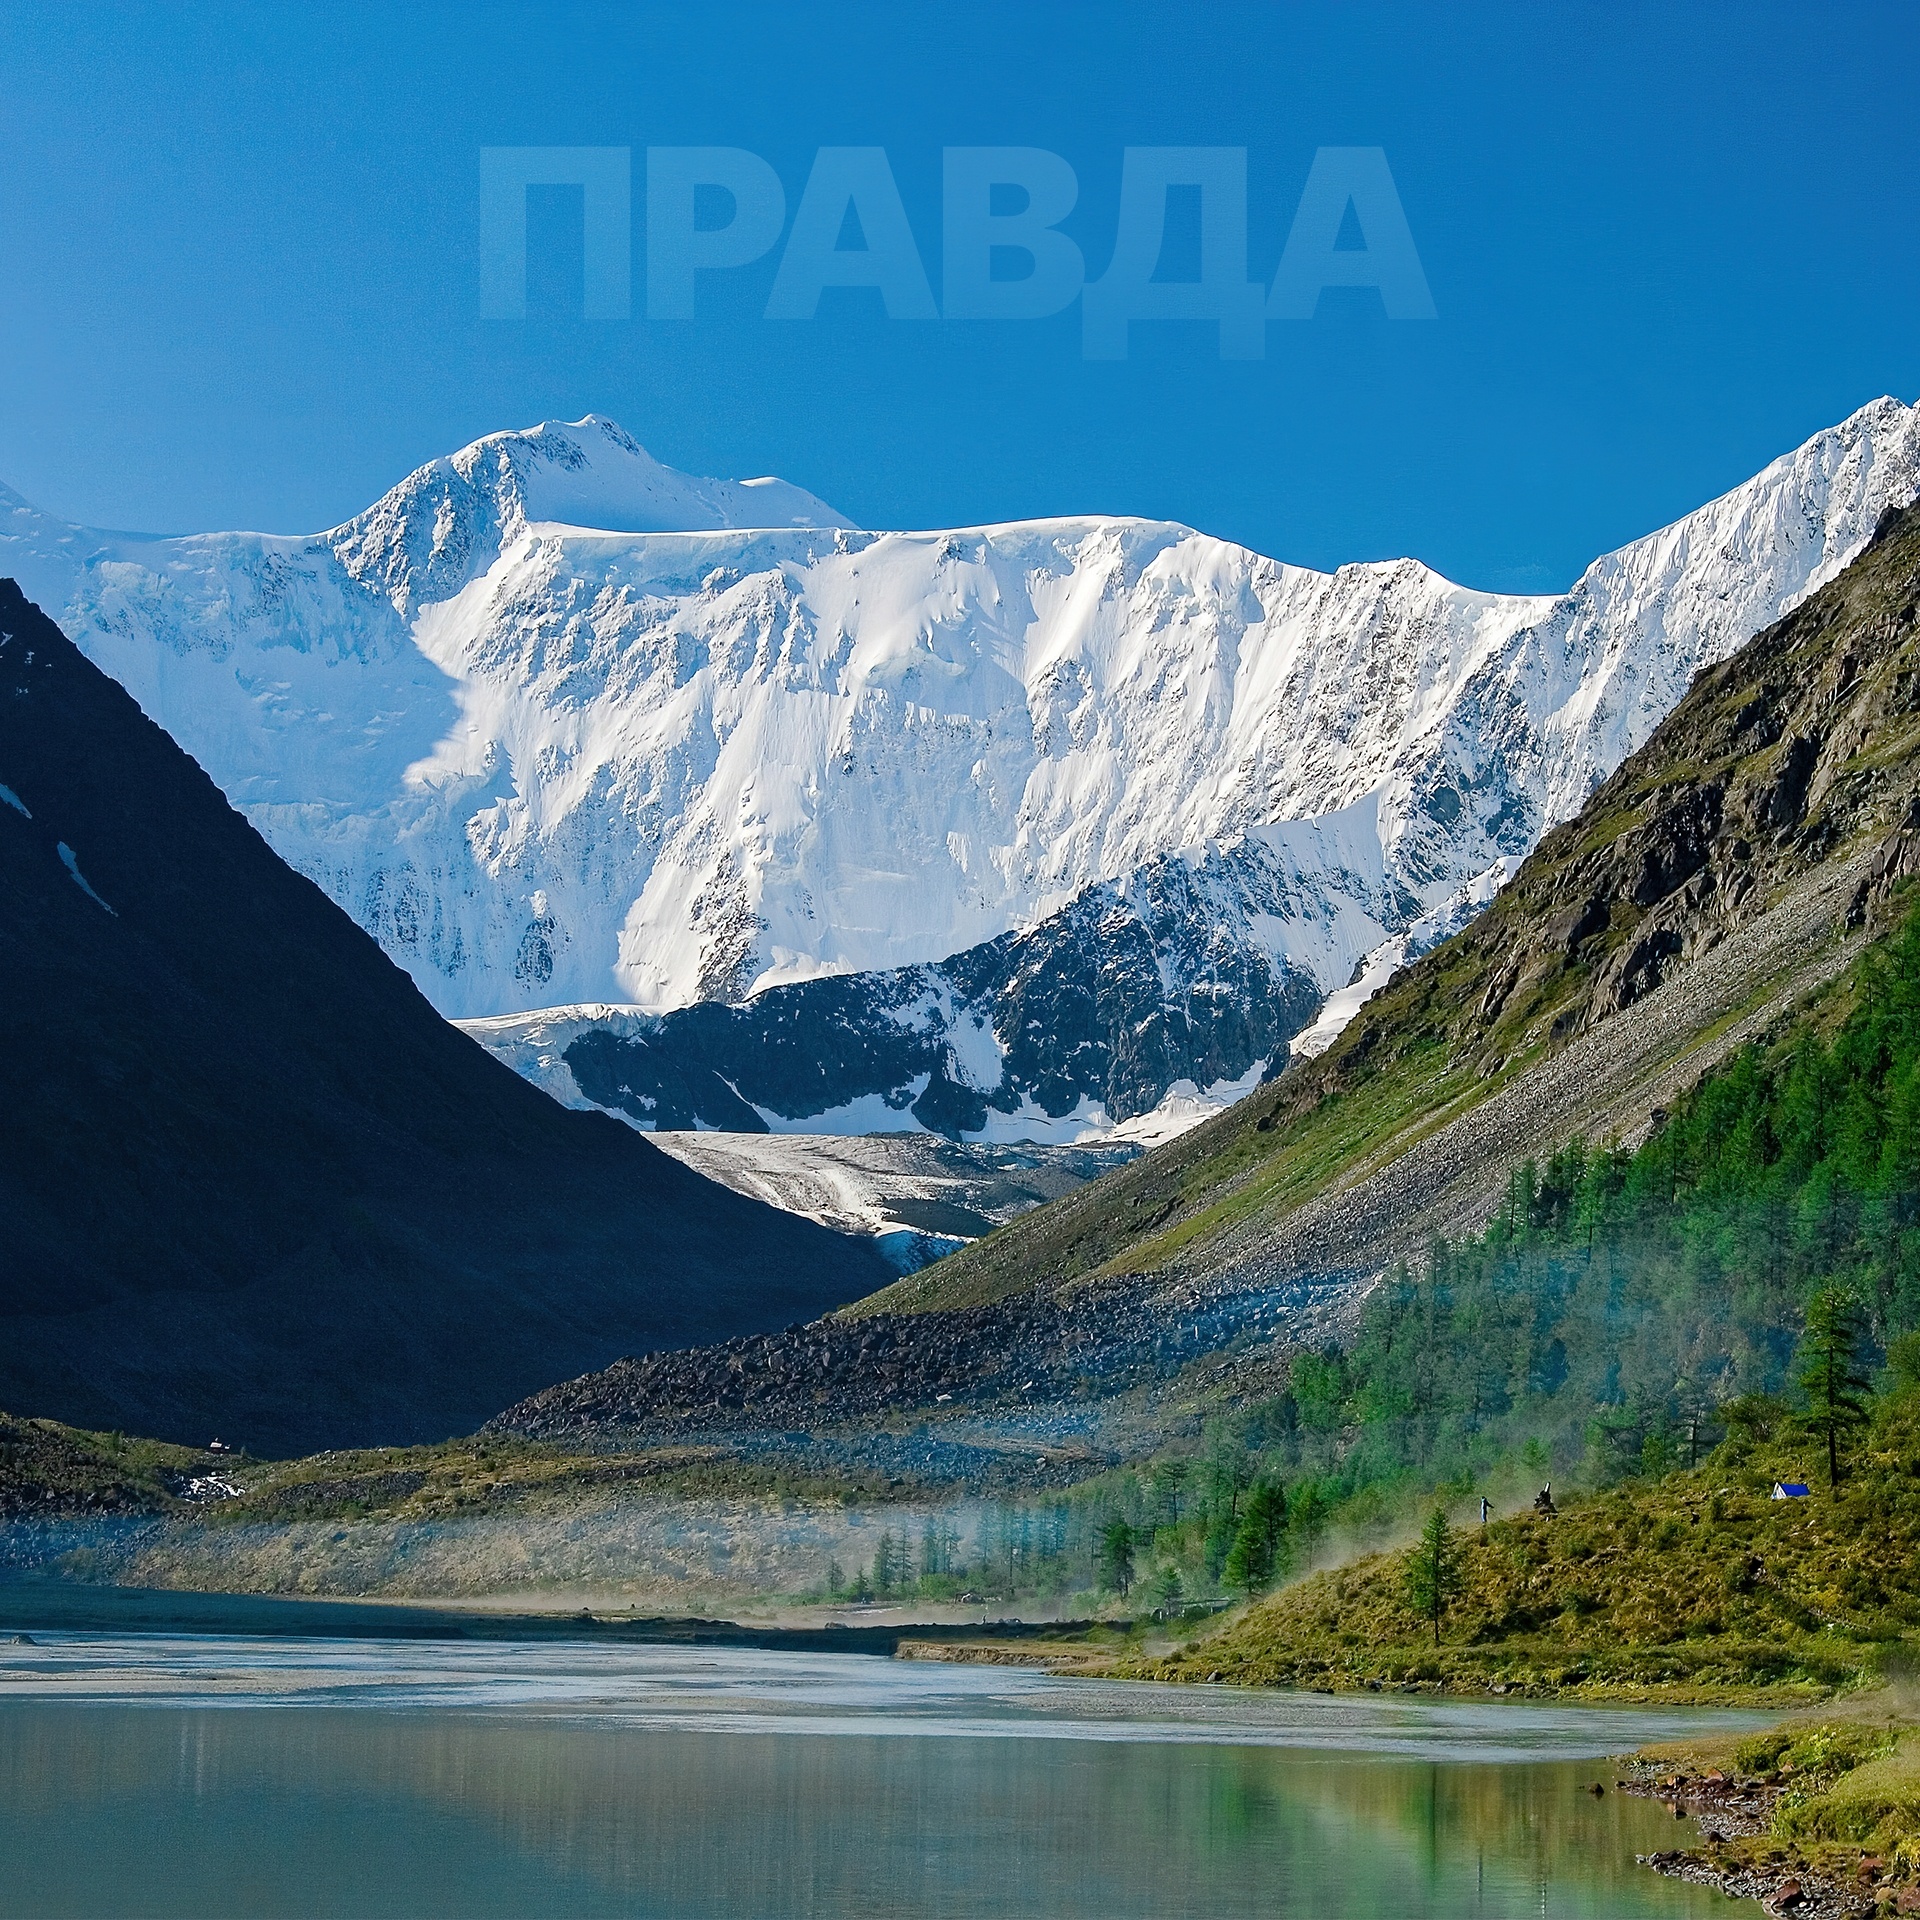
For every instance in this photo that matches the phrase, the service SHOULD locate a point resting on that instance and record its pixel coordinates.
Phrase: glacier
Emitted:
(569, 732)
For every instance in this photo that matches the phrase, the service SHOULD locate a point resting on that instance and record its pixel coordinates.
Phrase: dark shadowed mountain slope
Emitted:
(250, 1181)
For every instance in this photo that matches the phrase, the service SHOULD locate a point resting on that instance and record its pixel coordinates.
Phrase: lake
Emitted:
(204, 1775)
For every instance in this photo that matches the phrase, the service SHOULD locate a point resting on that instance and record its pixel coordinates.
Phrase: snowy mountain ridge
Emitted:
(559, 725)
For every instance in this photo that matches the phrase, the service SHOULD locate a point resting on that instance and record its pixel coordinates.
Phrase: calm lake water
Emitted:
(206, 1776)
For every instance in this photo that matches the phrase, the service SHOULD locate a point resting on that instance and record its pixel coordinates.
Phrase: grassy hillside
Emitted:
(1698, 1582)
(49, 1468)
(1797, 753)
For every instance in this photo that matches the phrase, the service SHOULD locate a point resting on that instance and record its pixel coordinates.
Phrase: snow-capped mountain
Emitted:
(561, 726)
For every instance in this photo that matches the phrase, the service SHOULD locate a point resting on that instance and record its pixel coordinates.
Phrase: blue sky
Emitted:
(241, 261)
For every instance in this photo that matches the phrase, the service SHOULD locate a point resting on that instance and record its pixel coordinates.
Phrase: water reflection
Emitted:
(559, 1786)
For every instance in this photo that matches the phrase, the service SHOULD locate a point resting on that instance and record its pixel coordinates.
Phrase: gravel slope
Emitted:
(1605, 1085)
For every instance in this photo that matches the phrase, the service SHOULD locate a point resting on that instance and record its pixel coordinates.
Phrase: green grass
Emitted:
(49, 1468)
(488, 1474)
(1845, 1793)
(1343, 1137)
(1698, 1585)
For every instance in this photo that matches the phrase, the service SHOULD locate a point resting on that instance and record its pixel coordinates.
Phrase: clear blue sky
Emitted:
(240, 260)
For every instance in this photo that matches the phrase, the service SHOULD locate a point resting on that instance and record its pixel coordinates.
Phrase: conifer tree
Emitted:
(1830, 1372)
(1254, 1557)
(1169, 1476)
(1433, 1571)
(1307, 1520)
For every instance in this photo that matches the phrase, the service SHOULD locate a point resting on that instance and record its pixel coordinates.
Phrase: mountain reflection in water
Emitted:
(172, 1776)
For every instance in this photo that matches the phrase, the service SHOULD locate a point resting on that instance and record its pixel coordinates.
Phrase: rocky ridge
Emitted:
(1718, 873)
(978, 1398)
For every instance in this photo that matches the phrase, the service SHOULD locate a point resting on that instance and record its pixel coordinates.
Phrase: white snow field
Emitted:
(564, 729)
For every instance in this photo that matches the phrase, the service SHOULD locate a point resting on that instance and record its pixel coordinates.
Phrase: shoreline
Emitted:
(1094, 1662)
(1084, 1649)
(27, 1606)
(1730, 1810)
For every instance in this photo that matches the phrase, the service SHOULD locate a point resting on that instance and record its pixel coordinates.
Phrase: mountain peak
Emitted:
(447, 521)
(592, 473)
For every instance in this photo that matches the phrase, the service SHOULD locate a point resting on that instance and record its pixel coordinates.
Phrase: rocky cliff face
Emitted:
(1800, 746)
(1062, 1031)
